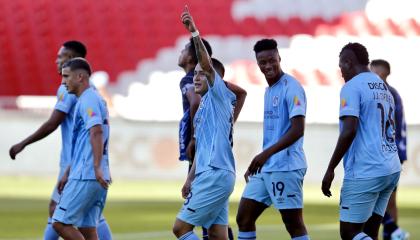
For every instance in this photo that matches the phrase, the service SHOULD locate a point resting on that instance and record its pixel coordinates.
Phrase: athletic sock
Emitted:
(362, 236)
(230, 233)
(304, 237)
(205, 234)
(247, 235)
(104, 232)
(50, 233)
(189, 236)
(389, 226)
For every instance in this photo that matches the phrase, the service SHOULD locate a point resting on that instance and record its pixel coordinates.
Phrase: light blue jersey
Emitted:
(90, 111)
(65, 103)
(283, 101)
(373, 152)
(213, 128)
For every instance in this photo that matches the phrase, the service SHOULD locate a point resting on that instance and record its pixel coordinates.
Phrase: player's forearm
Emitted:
(289, 138)
(343, 144)
(97, 145)
(46, 129)
(202, 56)
(191, 174)
(193, 111)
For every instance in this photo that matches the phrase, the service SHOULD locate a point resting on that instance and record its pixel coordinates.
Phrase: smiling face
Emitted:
(269, 63)
(200, 80)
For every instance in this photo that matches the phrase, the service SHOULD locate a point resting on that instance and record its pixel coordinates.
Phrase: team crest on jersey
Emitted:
(90, 112)
(343, 103)
(61, 97)
(275, 101)
(296, 101)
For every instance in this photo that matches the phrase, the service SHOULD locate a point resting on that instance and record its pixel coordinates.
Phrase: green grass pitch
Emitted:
(146, 210)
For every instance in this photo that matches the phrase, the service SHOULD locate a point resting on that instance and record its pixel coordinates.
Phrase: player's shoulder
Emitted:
(188, 78)
(291, 82)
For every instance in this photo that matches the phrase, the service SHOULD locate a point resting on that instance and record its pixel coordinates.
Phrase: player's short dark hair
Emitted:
(192, 49)
(382, 63)
(359, 50)
(265, 44)
(77, 47)
(78, 63)
(218, 66)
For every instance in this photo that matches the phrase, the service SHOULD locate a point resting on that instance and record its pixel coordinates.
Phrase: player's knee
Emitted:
(218, 235)
(244, 221)
(57, 226)
(179, 229)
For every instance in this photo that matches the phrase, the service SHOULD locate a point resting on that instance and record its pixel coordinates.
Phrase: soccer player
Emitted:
(367, 143)
(191, 100)
(275, 176)
(84, 195)
(391, 231)
(61, 116)
(212, 176)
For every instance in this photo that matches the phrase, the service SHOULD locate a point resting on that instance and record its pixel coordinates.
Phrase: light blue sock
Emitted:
(50, 233)
(189, 236)
(362, 236)
(304, 237)
(247, 235)
(104, 232)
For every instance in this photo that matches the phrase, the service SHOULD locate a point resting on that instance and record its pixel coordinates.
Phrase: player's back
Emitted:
(373, 152)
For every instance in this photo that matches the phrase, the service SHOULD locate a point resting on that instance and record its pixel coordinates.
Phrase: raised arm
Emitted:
(200, 50)
(56, 118)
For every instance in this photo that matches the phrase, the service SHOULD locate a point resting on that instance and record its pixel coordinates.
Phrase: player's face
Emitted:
(380, 71)
(345, 66)
(184, 57)
(200, 81)
(269, 63)
(62, 56)
(69, 79)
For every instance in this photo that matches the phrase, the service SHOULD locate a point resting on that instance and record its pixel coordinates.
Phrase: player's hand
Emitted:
(187, 20)
(257, 164)
(15, 149)
(326, 182)
(62, 182)
(100, 178)
(190, 151)
(186, 189)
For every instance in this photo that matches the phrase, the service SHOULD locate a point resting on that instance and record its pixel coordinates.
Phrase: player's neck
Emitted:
(188, 68)
(275, 79)
(82, 89)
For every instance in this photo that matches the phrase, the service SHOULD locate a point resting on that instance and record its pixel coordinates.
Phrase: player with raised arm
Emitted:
(367, 144)
(212, 176)
(275, 176)
(391, 230)
(83, 197)
(62, 115)
(191, 100)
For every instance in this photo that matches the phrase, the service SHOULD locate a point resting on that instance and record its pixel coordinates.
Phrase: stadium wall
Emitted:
(148, 150)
